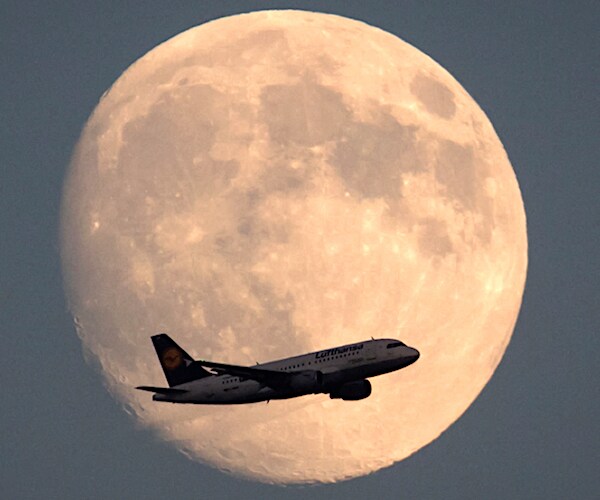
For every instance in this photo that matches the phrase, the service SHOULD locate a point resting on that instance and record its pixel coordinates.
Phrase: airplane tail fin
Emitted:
(178, 365)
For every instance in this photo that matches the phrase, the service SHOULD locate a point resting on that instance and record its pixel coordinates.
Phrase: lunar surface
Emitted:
(278, 182)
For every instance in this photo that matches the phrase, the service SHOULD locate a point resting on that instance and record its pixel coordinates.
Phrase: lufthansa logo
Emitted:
(171, 358)
(338, 350)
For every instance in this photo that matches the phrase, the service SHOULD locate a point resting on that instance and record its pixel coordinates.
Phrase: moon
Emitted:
(277, 182)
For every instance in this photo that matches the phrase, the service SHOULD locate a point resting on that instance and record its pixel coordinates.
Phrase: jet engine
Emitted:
(352, 391)
(307, 382)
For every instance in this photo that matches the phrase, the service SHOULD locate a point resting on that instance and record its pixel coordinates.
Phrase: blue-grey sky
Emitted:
(532, 433)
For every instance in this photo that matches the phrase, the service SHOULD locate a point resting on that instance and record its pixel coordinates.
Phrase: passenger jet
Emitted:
(341, 372)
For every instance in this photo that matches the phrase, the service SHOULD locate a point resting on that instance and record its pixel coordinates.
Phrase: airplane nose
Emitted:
(413, 355)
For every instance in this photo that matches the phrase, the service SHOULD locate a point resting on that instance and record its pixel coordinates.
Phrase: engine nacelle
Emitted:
(307, 382)
(352, 391)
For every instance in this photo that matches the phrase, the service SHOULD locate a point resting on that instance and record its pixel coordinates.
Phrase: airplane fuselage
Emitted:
(332, 367)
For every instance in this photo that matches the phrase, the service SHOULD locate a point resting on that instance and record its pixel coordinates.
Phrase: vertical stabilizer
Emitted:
(177, 364)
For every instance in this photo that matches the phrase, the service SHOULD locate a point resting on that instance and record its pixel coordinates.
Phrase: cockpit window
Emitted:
(395, 344)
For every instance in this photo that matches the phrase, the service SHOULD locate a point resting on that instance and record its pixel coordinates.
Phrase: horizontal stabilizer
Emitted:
(168, 391)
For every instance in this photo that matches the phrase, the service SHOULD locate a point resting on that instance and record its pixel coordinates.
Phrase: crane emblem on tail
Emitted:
(171, 358)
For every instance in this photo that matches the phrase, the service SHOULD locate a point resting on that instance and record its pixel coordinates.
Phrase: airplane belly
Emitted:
(371, 369)
(244, 392)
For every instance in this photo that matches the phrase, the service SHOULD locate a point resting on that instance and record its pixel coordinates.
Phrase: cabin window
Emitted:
(395, 344)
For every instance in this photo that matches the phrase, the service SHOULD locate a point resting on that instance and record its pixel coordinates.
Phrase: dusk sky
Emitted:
(532, 432)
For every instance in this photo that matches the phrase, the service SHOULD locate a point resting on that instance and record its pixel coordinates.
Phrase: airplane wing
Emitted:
(169, 391)
(270, 378)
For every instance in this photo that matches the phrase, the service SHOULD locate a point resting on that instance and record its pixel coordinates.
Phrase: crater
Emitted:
(463, 173)
(433, 238)
(284, 179)
(304, 114)
(173, 143)
(455, 169)
(434, 95)
(256, 231)
(372, 157)
(248, 50)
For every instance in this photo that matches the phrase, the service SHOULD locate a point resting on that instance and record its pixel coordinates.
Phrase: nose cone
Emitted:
(413, 355)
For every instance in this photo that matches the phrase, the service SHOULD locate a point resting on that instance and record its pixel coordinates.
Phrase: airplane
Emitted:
(341, 372)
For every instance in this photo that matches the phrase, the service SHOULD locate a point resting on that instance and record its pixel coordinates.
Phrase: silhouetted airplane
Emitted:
(341, 372)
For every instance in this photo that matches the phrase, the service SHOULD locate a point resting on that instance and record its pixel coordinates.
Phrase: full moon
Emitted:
(278, 182)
